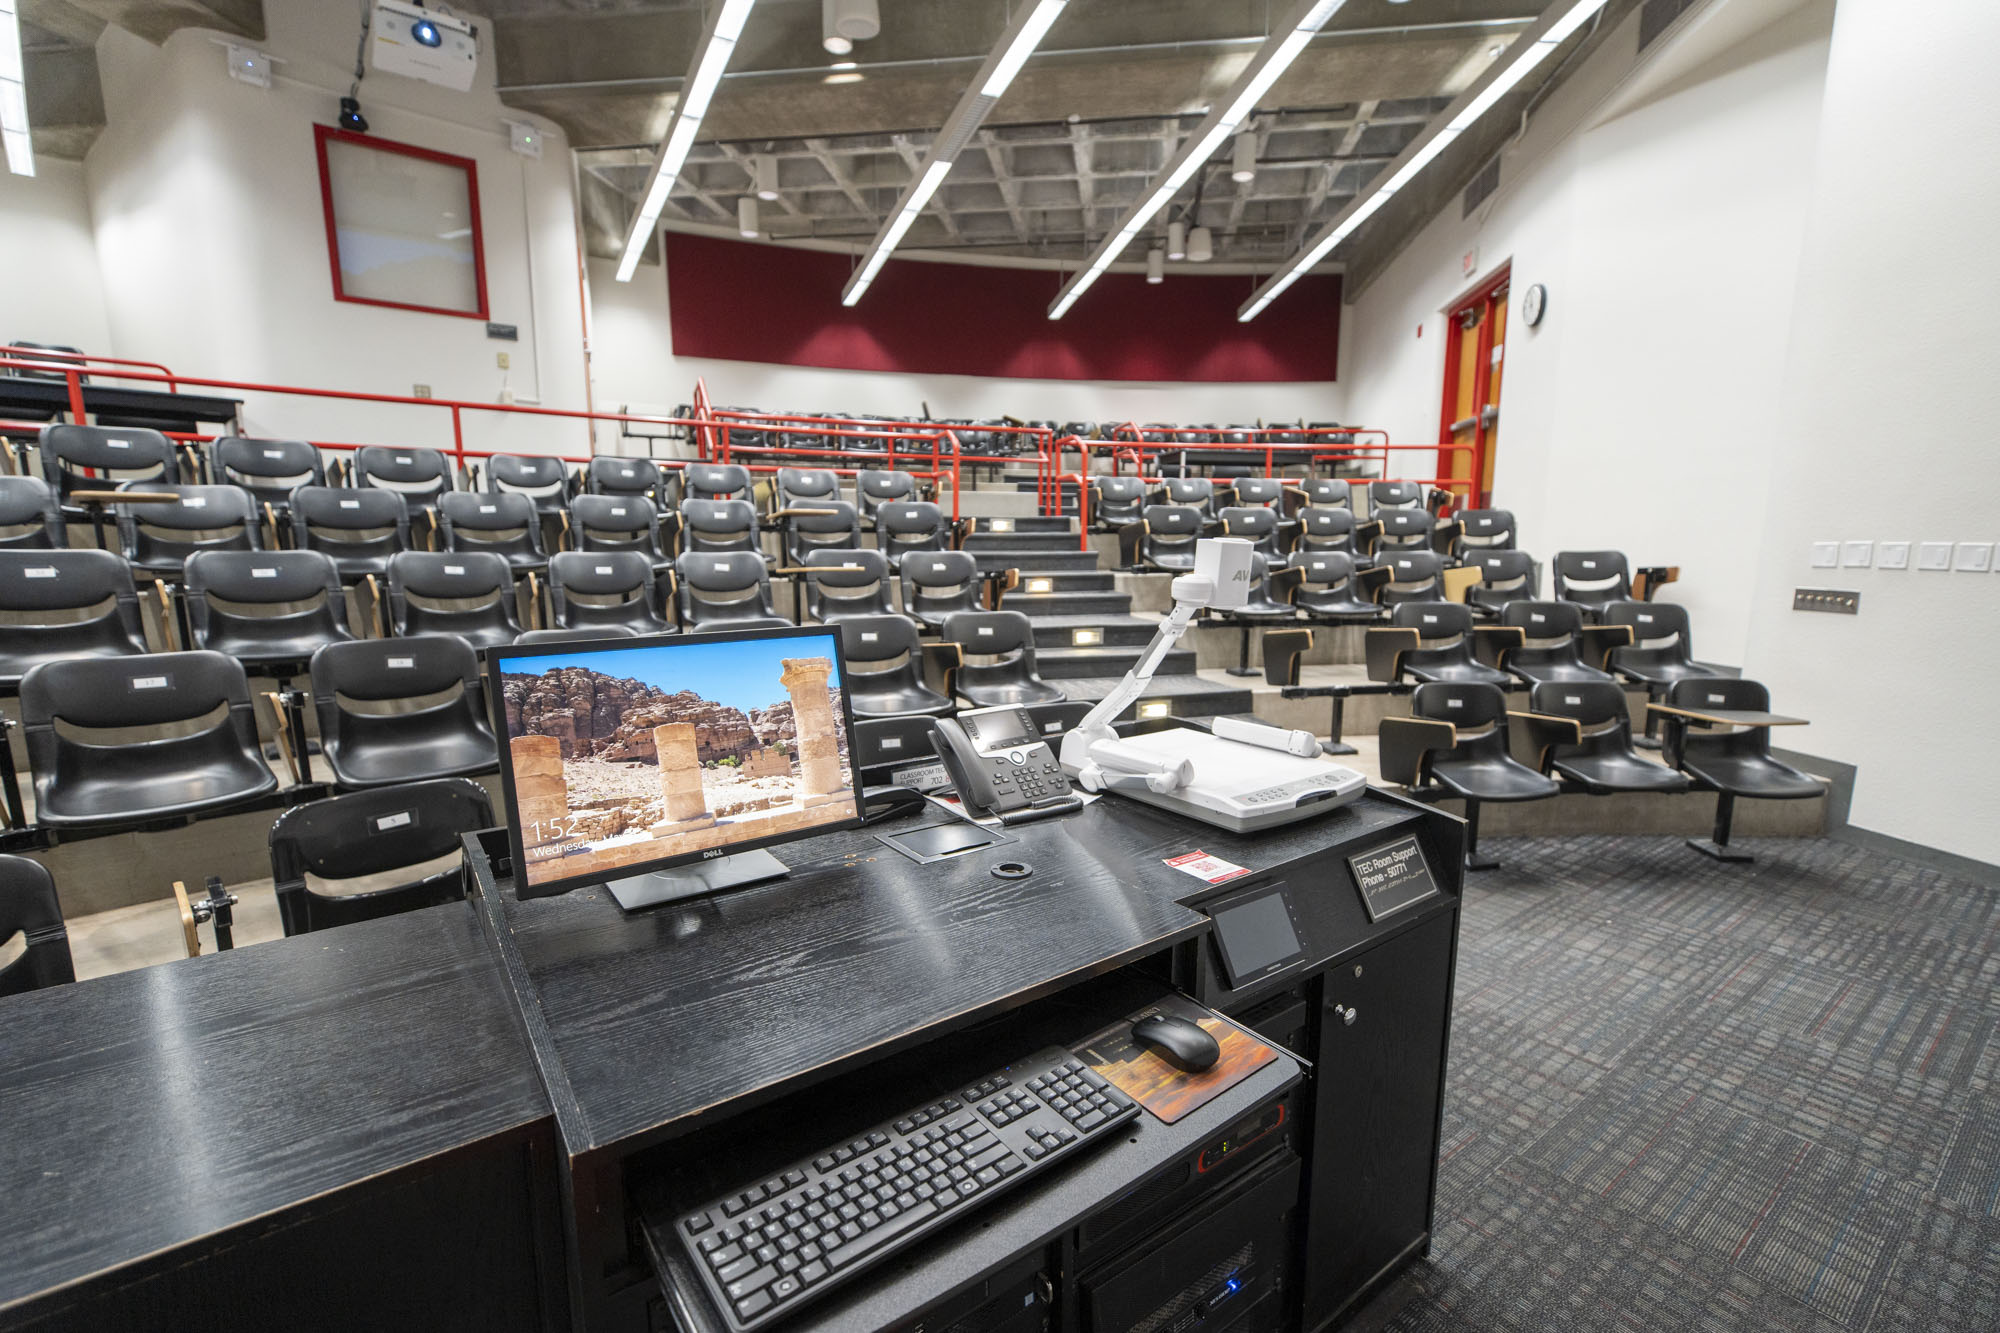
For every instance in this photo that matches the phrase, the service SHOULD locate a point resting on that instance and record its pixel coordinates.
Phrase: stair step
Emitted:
(1187, 696)
(1088, 580)
(1060, 631)
(1037, 562)
(1071, 663)
(1024, 526)
(1033, 605)
(1056, 542)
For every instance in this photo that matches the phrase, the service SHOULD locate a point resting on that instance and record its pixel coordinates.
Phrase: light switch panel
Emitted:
(1933, 555)
(1894, 555)
(1825, 555)
(1974, 557)
(1857, 555)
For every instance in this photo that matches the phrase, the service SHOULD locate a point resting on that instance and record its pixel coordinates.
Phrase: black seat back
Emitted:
(1660, 636)
(880, 486)
(1256, 525)
(1326, 585)
(1598, 705)
(1728, 693)
(29, 907)
(1116, 501)
(938, 585)
(543, 479)
(1414, 576)
(56, 605)
(623, 476)
(71, 453)
(1326, 529)
(1504, 576)
(1482, 530)
(269, 469)
(807, 486)
(360, 530)
(1328, 493)
(1171, 532)
(723, 590)
(615, 523)
(716, 481)
(1591, 579)
(505, 524)
(720, 525)
(836, 528)
(605, 589)
(419, 476)
(1006, 640)
(1478, 710)
(470, 595)
(1394, 495)
(1405, 530)
(264, 606)
(1194, 492)
(1444, 631)
(160, 537)
(372, 833)
(909, 526)
(1550, 632)
(394, 710)
(30, 516)
(1260, 491)
(883, 746)
(51, 368)
(846, 583)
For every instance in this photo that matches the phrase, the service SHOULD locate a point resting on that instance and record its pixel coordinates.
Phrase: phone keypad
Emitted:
(1028, 774)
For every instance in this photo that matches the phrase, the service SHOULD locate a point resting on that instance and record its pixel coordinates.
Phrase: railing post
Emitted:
(1082, 514)
(458, 436)
(75, 378)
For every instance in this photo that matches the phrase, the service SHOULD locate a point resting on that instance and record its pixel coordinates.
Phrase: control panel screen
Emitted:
(1257, 935)
(1001, 729)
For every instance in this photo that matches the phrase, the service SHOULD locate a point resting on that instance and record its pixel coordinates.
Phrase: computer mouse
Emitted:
(1182, 1044)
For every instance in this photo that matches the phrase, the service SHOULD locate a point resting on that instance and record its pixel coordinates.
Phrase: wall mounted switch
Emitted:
(1825, 555)
(1836, 601)
(1857, 555)
(1894, 555)
(1974, 557)
(1934, 555)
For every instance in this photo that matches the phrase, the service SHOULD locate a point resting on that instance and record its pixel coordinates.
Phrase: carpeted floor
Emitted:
(1687, 1096)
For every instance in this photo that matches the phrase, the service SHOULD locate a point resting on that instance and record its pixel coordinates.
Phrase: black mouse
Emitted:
(1182, 1044)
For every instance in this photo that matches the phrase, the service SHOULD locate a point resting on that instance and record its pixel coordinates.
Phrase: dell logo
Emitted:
(711, 853)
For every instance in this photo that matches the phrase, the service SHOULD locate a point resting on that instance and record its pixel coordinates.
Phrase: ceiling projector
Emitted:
(416, 43)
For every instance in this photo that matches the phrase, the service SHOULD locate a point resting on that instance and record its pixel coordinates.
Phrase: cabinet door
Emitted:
(1383, 1026)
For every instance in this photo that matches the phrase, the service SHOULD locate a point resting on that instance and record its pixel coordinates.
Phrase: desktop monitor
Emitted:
(661, 766)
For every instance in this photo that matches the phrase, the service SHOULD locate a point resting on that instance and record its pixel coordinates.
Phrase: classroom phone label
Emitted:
(1392, 876)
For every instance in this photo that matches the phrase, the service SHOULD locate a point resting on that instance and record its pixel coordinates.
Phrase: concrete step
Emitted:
(1184, 696)
(1070, 663)
(1056, 543)
(1025, 526)
(994, 503)
(1219, 644)
(1115, 631)
(1037, 562)
(1035, 605)
(1088, 580)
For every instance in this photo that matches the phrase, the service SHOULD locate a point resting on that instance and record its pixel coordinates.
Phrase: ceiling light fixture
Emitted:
(1244, 169)
(1201, 245)
(764, 175)
(1528, 51)
(14, 96)
(1016, 44)
(746, 216)
(1272, 59)
(716, 47)
(845, 22)
(1177, 241)
(1156, 266)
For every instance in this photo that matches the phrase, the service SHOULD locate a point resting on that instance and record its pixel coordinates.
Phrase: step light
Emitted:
(1086, 638)
(1151, 708)
(1041, 585)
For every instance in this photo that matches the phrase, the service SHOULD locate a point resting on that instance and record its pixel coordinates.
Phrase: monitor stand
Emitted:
(636, 892)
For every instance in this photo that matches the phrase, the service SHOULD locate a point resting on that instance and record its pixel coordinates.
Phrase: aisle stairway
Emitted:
(1064, 590)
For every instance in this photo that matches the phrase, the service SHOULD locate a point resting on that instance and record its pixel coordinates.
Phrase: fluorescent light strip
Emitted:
(1023, 46)
(699, 91)
(1521, 58)
(1220, 126)
(20, 149)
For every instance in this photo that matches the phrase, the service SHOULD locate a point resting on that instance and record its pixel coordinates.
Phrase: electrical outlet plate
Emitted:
(1894, 555)
(1825, 555)
(1973, 557)
(1933, 555)
(1837, 601)
(1857, 555)
(503, 360)
(420, 391)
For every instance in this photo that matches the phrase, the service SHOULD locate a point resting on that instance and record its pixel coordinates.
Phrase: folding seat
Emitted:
(360, 531)
(1116, 501)
(996, 660)
(882, 486)
(470, 596)
(1474, 531)
(1336, 530)
(1394, 495)
(608, 475)
(607, 590)
(726, 591)
(488, 523)
(1662, 651)
(1260, 492)
(419, 476)
(840, 585)
(1328, 589)
(617, 523)
(1257, 526)
(58, 606)
(908, 527)
(885, 747)
(29, 908)
(534, 636)
(939, 585)
(396, 710)
(1195, 492)
(370, 834)
(1163, 539)
(825, 525)
(30, 519)
(1581, 732)
(157, 539)
(1404, 531)
(1414, 577)
(882, 669)
(716, 481)
(270, 610)
(116, 454)
(1729, 763)
(1328, 493)
(270, 470)
(178, 769)
(1059, 717)
(1272, 583)
(1591, 579)
(1504, 576)
(542, 478)
(1454, 745)
(716, 526)
(806, 487)
(1550, 642)
(1429, 641)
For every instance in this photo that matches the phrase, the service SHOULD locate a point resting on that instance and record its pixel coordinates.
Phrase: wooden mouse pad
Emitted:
(1151, 1081)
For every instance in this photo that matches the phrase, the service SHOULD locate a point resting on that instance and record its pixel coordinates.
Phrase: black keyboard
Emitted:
(765, 1251)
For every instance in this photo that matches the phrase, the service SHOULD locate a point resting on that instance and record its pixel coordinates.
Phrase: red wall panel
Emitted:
(740, 301)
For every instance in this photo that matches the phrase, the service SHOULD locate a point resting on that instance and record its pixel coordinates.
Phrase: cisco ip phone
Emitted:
(1000, 765)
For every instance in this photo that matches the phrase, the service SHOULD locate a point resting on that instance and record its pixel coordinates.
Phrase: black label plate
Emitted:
(1392, 877)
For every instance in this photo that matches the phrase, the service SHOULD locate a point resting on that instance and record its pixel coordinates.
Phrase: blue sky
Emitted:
(743, 674)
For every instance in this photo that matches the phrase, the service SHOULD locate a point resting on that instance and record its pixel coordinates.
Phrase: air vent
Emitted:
(1658, 16)
(1482, 186)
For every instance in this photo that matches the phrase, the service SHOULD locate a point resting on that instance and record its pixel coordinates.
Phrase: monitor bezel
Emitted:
(497, 707)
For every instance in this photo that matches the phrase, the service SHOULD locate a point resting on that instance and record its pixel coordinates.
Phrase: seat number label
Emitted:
(387, 822)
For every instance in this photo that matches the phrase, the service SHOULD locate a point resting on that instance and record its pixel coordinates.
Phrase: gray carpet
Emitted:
(1689, 1096)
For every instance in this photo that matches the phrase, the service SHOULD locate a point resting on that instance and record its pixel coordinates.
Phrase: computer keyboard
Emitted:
(765, 1251)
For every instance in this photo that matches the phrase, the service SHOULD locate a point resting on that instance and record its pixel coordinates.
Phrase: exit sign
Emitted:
(1470, 263)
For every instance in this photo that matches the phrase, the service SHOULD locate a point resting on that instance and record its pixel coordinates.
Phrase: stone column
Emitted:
(680, 778)
(816, 731)
(539, 790)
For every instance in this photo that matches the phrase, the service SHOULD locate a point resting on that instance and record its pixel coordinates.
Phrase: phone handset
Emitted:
(1009, 771)
(966, 766)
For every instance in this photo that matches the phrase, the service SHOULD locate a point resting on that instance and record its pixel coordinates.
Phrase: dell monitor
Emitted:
(661, 766)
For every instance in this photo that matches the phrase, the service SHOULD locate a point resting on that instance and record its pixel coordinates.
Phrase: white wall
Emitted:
(1885, 432)
(632, 361)
(211, 237)
(49, 288)
(1664, 210)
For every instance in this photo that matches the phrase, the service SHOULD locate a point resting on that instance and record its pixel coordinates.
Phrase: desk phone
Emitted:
(999, 762)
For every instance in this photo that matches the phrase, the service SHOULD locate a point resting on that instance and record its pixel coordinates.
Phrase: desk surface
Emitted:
(150, 1109)
(655, 1019)
(1732, 717)
(195, 407)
